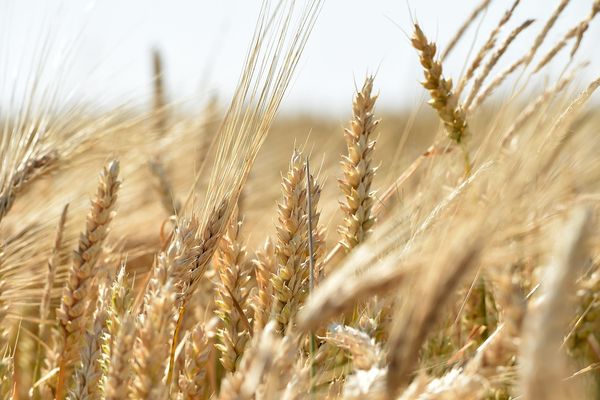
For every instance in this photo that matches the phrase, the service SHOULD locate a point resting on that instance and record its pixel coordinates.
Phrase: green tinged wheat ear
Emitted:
(290, 282)
(232, 293)
(358, 169)
(192, 381)
(72, 313)
(264, 267)
(443, 99)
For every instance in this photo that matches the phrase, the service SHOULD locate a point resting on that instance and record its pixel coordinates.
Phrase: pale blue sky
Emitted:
(204, 43)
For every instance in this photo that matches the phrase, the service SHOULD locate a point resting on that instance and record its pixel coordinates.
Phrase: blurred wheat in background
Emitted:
(449, 252)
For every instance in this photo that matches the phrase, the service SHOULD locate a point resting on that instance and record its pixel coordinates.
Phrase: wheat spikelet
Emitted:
(232, 293)
(264, 267)
(358, 171)
(151, 348)
(73, 309)
(192, 379)
(443, 100)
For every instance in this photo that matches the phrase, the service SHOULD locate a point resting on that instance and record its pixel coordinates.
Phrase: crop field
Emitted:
(448, 251)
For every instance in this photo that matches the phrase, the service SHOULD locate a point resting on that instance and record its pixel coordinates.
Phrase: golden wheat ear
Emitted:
(232, 294)
(443, 99)
(73, 311)
(358, 169)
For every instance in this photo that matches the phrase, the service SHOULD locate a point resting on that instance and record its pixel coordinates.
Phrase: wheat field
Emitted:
(446, 252)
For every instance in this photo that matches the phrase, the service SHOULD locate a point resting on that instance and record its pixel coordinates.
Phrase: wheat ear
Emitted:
(118, 375)
(290, 282)
(192, 380)
(232, 293)
(151, 348)
(358, 169)
(443, 100)
(72, 313)
(48, 286)
(89, 374)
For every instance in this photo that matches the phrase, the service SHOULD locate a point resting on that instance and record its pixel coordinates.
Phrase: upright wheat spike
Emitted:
(192, 379)
(264, 267)
(290, 283)
(232, 293)
(158, 106)
(72, 312)
(89, 373)
(358, 169)
(151, 349)
(443, 99)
